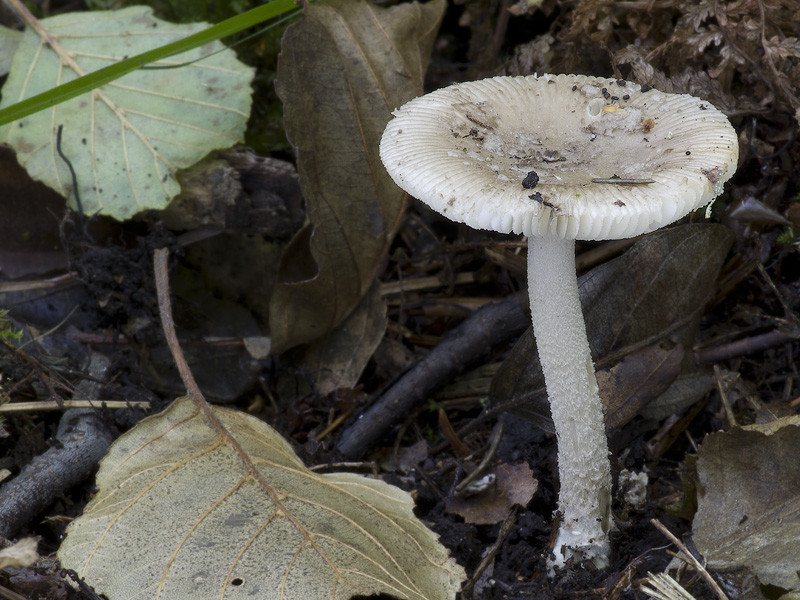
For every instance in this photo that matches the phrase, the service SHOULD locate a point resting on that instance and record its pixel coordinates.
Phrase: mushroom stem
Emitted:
(583, 465)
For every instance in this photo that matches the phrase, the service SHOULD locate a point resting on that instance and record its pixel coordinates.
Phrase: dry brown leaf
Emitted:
(22, 554)
(342, 70)
(748, 512)
(337, 360)
(187, 509)
(514, 484)
(634, 382)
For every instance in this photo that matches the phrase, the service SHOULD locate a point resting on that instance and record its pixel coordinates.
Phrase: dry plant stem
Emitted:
(756, 343)
(161, 270)
(32, 22)
(8, 594)
(603, 253)
(16, 407)
(584, 469)
(333, 426)
(723, 395)
(502, 26)
(446, 427)
(688, 556)
(462, 349)
(665, 588)
(7, 287)
(488, 457)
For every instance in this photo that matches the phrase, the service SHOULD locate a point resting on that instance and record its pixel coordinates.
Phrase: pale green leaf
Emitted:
(126, 139)
(95, 79)
(187, 509)
(9, 41)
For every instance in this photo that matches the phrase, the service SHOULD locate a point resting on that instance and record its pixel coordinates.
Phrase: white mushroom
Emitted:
(559, 158)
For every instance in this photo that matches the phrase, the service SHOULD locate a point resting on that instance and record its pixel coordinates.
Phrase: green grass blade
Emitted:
(102, 76)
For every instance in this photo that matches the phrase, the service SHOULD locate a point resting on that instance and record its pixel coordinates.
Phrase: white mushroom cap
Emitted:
(465, 150)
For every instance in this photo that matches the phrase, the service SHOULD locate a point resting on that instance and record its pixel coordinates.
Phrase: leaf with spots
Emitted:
(126, 139)
(217, 506)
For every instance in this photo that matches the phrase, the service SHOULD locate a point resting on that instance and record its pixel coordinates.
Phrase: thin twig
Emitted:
(52, 330)
(10, 594)
(502, 26)
(788, 312)
(723, 395)
(18, 407)
(462, 349)
(451, 436)
(494, 443)
(505, 529)
(691, 558)
(756, 343)
(7, 287)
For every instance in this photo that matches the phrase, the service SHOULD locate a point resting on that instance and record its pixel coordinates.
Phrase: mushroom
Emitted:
(561, 158)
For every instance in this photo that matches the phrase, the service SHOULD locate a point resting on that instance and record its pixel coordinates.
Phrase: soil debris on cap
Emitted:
(530, 181)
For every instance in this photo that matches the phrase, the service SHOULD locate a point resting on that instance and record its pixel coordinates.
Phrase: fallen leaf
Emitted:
(22, 554)
(514, 484)
(126, 139)
(654, 293)
(338, 359)
(658, 289)
(9, 42)
(751, 210)
(691, 385)
(635, 381)
(748, 513)
(187, 508)
(341, 72)
(686, 506)
(408, 457)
